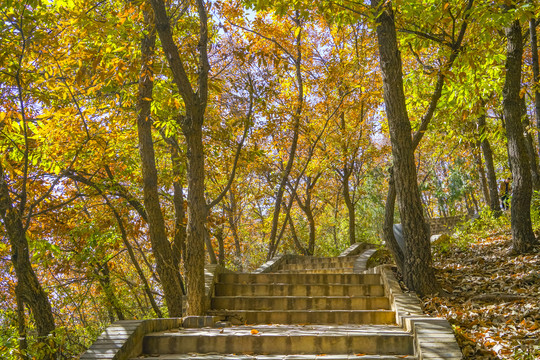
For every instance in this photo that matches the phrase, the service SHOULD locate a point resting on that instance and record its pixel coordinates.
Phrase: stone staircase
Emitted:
(307, 308)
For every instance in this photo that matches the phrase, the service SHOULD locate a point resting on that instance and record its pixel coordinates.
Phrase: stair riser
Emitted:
(255, 344)
(294, 303)
(328, 261)
(359, 318)
(273, 278)
(318, 271)
(298, 290)
(275, 357)
(314, 267)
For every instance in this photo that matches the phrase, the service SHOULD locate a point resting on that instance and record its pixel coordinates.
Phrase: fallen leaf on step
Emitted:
(254, 331)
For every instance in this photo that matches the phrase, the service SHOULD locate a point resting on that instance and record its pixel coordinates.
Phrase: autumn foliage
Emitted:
(140, 140)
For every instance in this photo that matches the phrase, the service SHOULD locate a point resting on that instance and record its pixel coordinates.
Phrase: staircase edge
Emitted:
(126, 338)
(433, 337)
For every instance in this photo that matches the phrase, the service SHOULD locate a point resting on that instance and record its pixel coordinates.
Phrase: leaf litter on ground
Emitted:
(492, 300)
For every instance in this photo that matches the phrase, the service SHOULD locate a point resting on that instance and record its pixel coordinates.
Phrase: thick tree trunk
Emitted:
(192, 122)
(522, 234)
(418, 275)
(494, 203)
(536, 71)
(197, 214)
(28, 288)
(529, 143)
(166, 266)
(388, 226)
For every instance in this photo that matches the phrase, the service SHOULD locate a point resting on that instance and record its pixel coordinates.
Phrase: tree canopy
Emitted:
(141, 140)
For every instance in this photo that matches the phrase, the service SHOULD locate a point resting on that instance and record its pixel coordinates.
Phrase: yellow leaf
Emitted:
(254, 331)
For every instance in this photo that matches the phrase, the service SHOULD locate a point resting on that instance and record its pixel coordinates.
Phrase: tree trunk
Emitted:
(221, 245)
(296, 128)
(529, 143)
(179, 242)
(28, 288)
(166, 266)
(481, 173)
(104, 277)
(296, 241)
(418, 275)
(232, 219)
(494, 203)
(350, 205)
(535, 68)
(388, 226)
(192, 122)
(306, 208)
(522, 234)
(209, 247)
(197, 214)
(131, 254)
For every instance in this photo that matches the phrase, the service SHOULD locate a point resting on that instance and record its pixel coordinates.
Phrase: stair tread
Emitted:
(333, 297)
(213, 311)
(289, 330)
(212, 356)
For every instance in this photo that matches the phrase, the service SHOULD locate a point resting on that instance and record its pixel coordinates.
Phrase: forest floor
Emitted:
(493, 299)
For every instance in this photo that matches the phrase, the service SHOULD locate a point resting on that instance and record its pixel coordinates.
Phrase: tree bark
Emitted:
(233, 220)
(536, 71)
(179, 242)
(522, 234)
(426, 119)
(191, 123)
(197, 214)
(306, 208)
(350, 205)
(481, 174)
(494, 203)
(166, 266)
(529, 143)
(418, 275)
(388, 226)
(28, 288)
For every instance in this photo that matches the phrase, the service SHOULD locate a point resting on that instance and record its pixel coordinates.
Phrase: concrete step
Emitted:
(286, 278)
(222, 289)
(276, 340)
(304, 267)
(194, 356)
(322, 260)
(319, 271)
(301, 302)
(358, 317)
